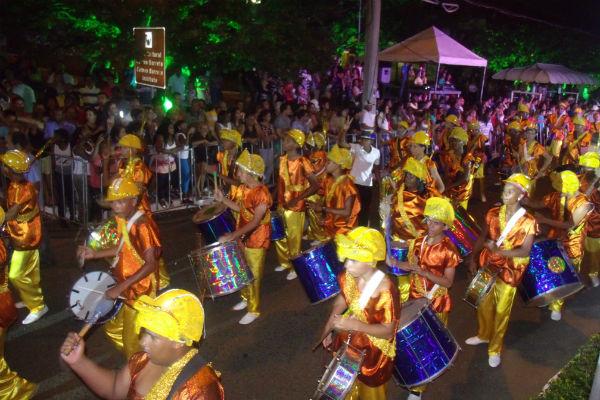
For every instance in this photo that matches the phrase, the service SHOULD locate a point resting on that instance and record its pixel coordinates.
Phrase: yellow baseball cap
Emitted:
(131, 140)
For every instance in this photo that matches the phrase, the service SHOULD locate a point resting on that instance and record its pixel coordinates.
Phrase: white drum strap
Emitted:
(130, 223)
(509, 225)
(432, 291)
(370, 287)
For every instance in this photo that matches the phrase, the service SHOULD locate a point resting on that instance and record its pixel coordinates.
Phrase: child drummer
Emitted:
(372, 315)
(590, 166)
(254, 226)
(315, 142)
(504, 246)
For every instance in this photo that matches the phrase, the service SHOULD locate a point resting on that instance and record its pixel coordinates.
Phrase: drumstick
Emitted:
(215, 181)
(86, 328)
(98, 292)
(316, 346)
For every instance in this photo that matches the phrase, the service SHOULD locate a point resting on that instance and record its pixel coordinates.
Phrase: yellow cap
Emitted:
(460, 134)
(579, 121)
(523, 108)
(176, 315)
(404, 124)
(590, 159)
(422, 138)
(515, 125)
(474, 126)
(453, 119)
(577, 110)
(361, 244)
(17, 161)
(521, 181)
(298, 136)
(316, 139)
(340, 156)
(530, 126)
(2, 215)
(232, 135)
(565, 182)
(251, 163)
(416, 168)
(439, 209)
(131, 140)
(122, 188)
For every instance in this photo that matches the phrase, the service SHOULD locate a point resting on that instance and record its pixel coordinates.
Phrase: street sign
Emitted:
(150, 57)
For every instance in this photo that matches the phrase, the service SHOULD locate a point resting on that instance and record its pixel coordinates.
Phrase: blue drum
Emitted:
(550, 275)
(398, 254)
(425, 348)
(277, 226)
(317, 269)
(213, 221)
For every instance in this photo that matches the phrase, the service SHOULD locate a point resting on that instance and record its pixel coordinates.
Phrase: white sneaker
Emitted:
(20, 304)
(555, 315)
(414, 396)
(291, 276)
(494, 360)
(475, 340)
(280, 268)
(34, 316)
(248, 318)
(240, 306)
(595, 281)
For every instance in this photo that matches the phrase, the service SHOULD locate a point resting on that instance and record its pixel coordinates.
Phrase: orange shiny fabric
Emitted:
(435, 259)
(453, 167)
(203, 385)
(376, 368)
(260, 237)
(573, 240)
(509, 160)
(511, 269)
(8, 311)
(336, 193)
(593, 222)
(297, 170)
(141, 176)
(318, 159)
(143, 236)
(536, 151)
(477, 145)
(399, 151)
(414, 205)
(574, 149)
(26, 229)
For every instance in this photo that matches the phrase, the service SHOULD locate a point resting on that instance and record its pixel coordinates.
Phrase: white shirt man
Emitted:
(367, 118)
(362, 166)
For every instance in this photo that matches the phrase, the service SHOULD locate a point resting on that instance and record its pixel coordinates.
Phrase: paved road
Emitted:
(271, 358)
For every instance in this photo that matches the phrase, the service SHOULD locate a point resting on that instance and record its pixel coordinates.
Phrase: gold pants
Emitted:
(557, 305)
(360, 391)
(591, 256)
(24, 274)
(12, 386)
(121, 331)
(464, 204)
(315, 229)
(251, 293)
(404, 288)
(289, 247)
(163, 279)
(493, 314)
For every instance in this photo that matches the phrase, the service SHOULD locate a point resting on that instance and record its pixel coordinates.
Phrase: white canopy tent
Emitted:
(433, 45)
(545, 73)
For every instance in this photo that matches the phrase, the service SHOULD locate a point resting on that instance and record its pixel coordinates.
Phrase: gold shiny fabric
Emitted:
(292, 180)
(121, 331)
(251, 293)
(478, 147)
(24, 275)
(591, 256)
(407, 215)
(316, 231)
(404, 288)
(493, 314)
(136, 170)
(360, 391)
(164, 279)
(289, 247)
(530, 166)
(12, 386)
(25, 230)
(454, 168)
(336, 193)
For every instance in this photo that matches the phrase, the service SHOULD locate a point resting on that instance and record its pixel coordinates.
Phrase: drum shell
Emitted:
(464, 232)
(277, 226)
(398, 254)
(218, 225)
(480, 286)
(317, 270)
(339, 377)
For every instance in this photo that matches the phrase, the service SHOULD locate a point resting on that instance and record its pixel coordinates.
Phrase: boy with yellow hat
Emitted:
(373, 311)
(315, 141)
(398, 145)
(417, 146)
(450, 122)
(504, 246)
(169, 367)
(295, 183)
(578, 142)
(562, 128)
(531, 152)
(459, 168)
(135, 263)
(24, 227)
(253, 225)
(590, 165)
(476, 147)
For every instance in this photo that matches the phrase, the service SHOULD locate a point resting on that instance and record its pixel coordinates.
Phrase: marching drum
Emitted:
(277, 226)
(480, 286)
(550, 275)
(340, 374)
(425, 348)
(214, 221)
(464, 232)
(398, 254)
(104, 236)
(317, 269)
(222, 267)
(87, 299)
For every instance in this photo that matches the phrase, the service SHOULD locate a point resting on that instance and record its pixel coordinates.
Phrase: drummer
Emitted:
(418, 144)
(459, 167)
(590, 165)
(231, 140)
(372, 311)
(505, 244)
(135, 266)
(254, 226)
(315, 142)
(169, 365)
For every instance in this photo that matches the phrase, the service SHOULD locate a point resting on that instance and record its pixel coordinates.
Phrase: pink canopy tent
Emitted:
(433, 45)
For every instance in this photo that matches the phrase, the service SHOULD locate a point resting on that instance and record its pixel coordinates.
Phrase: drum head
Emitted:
(311, 249)
(209, 212)
(87, 300)
(411, 311)
(340, 374)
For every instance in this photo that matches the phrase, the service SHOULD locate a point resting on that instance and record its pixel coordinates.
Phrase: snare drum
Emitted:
(104, 236)
(214, 221)
(340, 374)
(317, 269)
(480, 286)
(464, 232)
(277, 226)
(425, 348)
(398, 254)
(222, 267)
(550, 275)
(87, 300)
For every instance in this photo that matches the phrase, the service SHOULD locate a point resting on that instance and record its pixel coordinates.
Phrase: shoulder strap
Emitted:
(190, 369)
(509, 225)
(369, 289)
(130, 223)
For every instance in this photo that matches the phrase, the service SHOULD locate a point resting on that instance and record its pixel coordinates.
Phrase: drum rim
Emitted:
(437, 374)
(533, 302)
(389, 268)
(326, 298)
(423, 300)
(224, 209)
(213, 246)
(117, 303)
(310, 249)
(321, 385)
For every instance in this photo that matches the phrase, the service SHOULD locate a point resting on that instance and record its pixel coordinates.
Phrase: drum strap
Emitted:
(369, 289)
(407, 222)
(190, 369)
(510, 225)
(130, 223)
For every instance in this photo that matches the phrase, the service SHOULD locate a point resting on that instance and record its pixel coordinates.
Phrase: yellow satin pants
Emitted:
(404, 288)
(557, 305)
(12, 386)
(24, 274)
(493, 314)
(360, 391)
(289, 247)
(591, 256)
(163, 274)
(465, 204)
(315, 229)
(121, 331)
(251, 293)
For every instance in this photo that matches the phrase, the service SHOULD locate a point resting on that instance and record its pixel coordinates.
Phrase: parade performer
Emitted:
(561, 127)
(512, 141)
(372, 315)
(581, 139)
(450, 122)
(399, 146)
(135, 266)
(170, 366)
(318, 158)
(476, 147)
(459, 168)
(254, 226)
(531, 153)
(296, 182)
(24, 227)
(504, 246)
(590, 163)
(231, 141)
(433, 182)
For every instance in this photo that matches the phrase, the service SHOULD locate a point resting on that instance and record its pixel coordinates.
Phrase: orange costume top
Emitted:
(142, 236)
(574, 147)
(435, 259)
(530, 155)
(25, 230)
(407, 215)
(203, 385)
(293, 180)
(477, 145)
(136, 170)
(454, 168)
(378, 363)
(510, 146)
(593, 222)
(260, 237)
(398, 151)
(337, 191)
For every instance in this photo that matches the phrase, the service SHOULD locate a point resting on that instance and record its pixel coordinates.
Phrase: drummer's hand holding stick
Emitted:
(326, 338)
(85, 253)
(221, 198)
